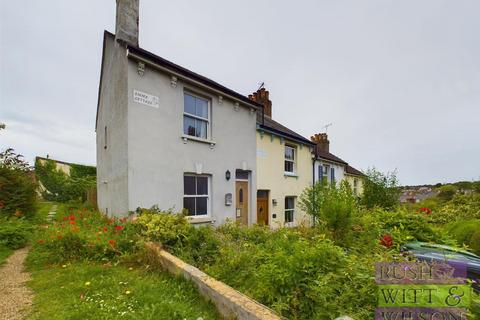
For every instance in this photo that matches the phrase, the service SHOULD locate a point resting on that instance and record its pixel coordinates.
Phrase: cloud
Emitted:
(398, 79)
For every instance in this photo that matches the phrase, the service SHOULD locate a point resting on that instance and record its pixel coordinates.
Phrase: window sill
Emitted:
(199, 219)
(185, 139)
(289, 174)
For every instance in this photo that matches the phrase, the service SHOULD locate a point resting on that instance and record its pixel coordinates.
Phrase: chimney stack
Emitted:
(261, 97)
(126, 26)
(321, 141)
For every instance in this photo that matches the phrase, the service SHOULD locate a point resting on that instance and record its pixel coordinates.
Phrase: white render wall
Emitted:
(112, 162)
(339, 170)
(158, 157)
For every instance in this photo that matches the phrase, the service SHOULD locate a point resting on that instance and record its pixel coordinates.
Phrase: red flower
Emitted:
(105, 229)
(119, 228)
(72, 222)
(71, 218)
(425, 210)
(112, 243)
(386, 240)
(41, 241)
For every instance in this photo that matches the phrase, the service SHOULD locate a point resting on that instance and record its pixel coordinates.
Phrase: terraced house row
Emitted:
(170, 137)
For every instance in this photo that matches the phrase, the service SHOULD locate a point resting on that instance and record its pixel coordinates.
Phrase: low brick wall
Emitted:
(230, 303)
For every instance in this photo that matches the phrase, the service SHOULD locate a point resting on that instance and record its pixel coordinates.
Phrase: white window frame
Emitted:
(290, 210)
(208, 196)
(294, 161)
(355, 186)
(193, 116)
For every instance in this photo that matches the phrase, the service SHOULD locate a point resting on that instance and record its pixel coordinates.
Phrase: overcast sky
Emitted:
(399, 80)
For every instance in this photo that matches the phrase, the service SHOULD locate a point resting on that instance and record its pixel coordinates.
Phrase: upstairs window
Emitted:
(196, 116)
(289, 159)
(355, 186)
(196, 196)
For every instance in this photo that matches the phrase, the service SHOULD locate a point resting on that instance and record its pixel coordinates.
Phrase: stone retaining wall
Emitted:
(230, 303)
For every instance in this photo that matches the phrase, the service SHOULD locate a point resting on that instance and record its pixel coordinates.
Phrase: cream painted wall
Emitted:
(351, 178)
(271, 176)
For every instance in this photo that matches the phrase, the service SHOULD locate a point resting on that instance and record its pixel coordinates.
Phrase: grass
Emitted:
(93, 291)
(81, 288)
(4, 254)
(43, 208)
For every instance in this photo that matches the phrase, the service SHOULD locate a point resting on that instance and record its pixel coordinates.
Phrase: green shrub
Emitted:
(331, 206)
(14, 233)
(466, 233)
(380, 190)
(17, 192)
(459, 208)
(170, 229)
(447, 192)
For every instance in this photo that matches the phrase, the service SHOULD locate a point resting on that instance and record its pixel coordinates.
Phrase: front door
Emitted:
(262, 207)
(242, 201)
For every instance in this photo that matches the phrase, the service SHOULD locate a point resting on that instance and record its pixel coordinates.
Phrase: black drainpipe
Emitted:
(313, 179)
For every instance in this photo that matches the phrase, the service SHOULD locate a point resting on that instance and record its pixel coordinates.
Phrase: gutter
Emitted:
(188, 79)
(285, 135)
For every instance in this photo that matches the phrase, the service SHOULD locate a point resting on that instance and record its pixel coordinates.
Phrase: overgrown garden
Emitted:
(85, 264)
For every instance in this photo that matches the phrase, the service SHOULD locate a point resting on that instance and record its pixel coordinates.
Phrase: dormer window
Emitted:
(196, 116)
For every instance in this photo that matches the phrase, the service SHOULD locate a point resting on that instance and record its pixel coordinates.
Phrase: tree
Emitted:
(330, 205)
(447, 192)
(380, 190)
(17, 185)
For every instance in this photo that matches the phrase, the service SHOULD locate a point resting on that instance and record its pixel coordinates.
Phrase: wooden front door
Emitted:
(242, 201)
(262, 209)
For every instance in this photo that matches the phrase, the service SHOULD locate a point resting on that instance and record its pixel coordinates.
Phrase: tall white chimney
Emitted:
(126, 26)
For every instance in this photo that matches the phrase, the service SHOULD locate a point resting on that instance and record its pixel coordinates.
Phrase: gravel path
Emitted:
(15, 296)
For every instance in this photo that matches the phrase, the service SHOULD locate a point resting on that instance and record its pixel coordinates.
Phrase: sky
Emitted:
(399, 80)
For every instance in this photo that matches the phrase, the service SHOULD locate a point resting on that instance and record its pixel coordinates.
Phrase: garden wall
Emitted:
(230, 303)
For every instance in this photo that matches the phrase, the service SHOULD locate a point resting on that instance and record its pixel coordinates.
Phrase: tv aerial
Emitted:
(326, 127)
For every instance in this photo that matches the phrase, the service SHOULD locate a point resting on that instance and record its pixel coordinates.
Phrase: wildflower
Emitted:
(72, 222)
(87, 283)
(112, 243)
(119, 228)
(105, 229)
(71, 218)
(64, 266)
(386, 240)
(130, 268)
(127, 292)
(41, 241)
(425, 210)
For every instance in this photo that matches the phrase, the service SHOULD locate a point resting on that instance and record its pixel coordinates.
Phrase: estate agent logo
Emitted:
(422, 290)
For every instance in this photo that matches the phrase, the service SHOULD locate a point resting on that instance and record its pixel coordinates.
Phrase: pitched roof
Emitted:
(352, 170)
(273, 126)
(174, 68)
(190, 74)
(321, 154)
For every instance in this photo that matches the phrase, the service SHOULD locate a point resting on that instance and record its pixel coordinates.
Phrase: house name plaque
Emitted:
(146, 99)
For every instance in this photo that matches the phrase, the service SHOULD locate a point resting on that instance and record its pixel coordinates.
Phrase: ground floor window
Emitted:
(196, 196)
(289, 209)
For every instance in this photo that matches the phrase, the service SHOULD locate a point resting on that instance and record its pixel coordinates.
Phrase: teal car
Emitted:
(440, 253)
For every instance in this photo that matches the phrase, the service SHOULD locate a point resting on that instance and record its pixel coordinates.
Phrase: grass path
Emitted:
(15, 296)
